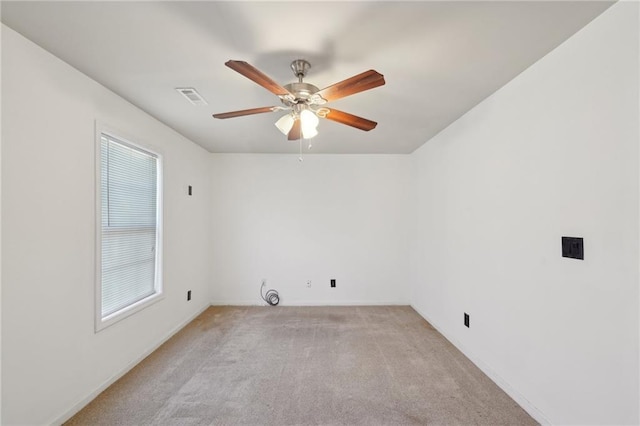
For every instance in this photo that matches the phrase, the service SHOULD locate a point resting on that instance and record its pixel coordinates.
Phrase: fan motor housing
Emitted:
(301, 91)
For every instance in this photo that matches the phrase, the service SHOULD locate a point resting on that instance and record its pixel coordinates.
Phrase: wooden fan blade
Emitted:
(244, 112)
(358, 83)
(350, 120)
(257, 76)
(296, 131)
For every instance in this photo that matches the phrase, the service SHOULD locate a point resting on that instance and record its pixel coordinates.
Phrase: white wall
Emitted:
(553, 153)
(51, 357)
(0, 226)
(331, 216)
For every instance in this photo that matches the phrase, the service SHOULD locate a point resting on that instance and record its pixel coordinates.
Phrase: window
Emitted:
(129, 224)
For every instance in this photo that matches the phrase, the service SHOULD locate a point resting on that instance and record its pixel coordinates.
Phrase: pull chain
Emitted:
(300, 142)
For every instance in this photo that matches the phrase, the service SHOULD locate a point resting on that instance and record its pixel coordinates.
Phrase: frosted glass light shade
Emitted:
(309, 133)
(285, 123)
(308, 123)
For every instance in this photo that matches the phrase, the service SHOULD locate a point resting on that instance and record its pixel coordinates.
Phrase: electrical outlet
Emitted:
(333, 282)
(188, 295)
(466, 320)
(309, 284)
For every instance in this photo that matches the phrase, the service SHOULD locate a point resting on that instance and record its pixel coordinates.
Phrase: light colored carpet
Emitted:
(381, 365)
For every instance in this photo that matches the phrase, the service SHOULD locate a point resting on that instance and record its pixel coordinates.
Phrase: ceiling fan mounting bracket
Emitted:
(300, 68)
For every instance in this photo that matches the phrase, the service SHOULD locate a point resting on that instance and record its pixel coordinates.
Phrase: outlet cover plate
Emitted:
(573, 247)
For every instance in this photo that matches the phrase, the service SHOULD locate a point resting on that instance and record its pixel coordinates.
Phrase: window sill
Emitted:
(102, 323)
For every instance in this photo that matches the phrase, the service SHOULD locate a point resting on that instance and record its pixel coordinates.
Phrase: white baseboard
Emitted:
(503, 384)
(82, 403)
(307, 303)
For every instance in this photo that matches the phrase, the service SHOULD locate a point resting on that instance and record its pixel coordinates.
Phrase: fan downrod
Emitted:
(299, 68)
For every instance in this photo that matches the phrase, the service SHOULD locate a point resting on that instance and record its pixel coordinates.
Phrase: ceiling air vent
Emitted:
(192, 95)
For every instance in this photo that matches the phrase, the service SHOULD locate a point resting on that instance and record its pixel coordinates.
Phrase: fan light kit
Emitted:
(304, 101)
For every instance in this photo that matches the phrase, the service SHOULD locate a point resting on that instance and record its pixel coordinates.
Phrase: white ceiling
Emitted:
(439, 59)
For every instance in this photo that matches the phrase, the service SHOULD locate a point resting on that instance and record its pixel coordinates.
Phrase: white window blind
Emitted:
(130, 237)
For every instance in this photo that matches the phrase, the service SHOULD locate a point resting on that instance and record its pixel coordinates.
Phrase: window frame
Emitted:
(158, 295)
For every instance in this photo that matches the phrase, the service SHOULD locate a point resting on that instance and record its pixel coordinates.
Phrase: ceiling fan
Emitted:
(305, 101)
